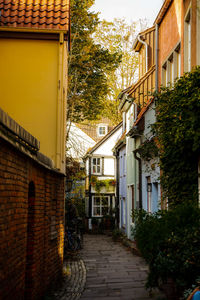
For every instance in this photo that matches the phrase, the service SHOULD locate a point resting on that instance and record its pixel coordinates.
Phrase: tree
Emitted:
(88, 64)
(119, 36)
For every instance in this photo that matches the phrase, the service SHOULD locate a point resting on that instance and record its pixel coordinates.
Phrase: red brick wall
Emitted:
(44, 253)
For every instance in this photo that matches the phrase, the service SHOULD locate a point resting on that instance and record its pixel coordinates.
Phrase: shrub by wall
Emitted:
(169, 241)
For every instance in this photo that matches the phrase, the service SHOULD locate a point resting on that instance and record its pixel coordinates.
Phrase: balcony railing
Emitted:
(142, 91)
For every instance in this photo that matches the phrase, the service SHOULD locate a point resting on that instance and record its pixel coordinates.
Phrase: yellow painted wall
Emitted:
(29, 89)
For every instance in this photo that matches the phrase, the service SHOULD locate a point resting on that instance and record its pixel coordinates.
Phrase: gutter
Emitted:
(146, 47)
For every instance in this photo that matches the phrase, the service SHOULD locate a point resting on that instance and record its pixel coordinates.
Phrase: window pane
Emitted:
(104, 210)
(94, 169)
(94, 161)
(104, 201)
(98, 161)
(96, 201)
(102, 130)
(96, 211)
(98, 169)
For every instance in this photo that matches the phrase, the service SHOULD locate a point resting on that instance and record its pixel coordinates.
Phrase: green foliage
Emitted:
(148, 150)
(169, 241)
(88, 65)
(177, 129)
(118, 36)
(99, 184)
(117, 234)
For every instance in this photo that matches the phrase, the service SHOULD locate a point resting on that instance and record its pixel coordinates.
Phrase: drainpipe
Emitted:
(117, 187)
(90, 189)
(139, 177)
(156, 58)
(146, 47)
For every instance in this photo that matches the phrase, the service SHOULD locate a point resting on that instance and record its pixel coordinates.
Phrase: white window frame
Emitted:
(101, 206)
(124, 121)
(171, 69)
(187, 40)
(96, 165)
(102, 126)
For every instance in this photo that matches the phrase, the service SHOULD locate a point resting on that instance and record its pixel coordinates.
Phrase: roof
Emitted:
(162, 11)
(137, 44)
(104, 139)
(35, 14)
(90, 128)
(120, 142)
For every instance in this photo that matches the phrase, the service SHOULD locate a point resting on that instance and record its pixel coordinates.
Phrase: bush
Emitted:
(117, 234)
(170, 243)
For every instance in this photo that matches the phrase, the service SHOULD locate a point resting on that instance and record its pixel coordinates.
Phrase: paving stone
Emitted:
(104, 270)
(113, 272)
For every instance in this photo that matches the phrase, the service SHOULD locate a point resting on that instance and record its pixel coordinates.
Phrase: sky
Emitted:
(132, 10)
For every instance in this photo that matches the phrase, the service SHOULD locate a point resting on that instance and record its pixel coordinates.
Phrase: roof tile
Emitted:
(40, 14)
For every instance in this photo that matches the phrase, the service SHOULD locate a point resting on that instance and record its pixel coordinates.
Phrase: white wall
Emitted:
(108, 145)
(109, 166)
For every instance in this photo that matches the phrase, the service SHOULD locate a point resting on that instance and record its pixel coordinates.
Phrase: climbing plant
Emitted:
(177, 129)
(98, 184)
(148, 150)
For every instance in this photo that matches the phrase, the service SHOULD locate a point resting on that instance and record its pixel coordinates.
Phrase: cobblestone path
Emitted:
(113, 272)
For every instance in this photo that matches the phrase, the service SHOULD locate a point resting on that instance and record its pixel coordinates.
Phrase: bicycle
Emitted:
(74, 235)
(72, 240)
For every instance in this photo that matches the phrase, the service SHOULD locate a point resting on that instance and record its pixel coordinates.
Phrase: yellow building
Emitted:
(33, 77)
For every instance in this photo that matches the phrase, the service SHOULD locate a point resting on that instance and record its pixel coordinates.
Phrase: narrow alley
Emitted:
(105, 270)
(113, 272)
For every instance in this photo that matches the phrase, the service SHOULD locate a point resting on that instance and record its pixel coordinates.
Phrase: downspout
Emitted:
(90, 189)
(146, 48)
(156, 58)
(139, 177)
(117, 186)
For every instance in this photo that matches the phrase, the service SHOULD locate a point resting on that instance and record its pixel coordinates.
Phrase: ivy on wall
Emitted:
(178, 131)
(148, 150)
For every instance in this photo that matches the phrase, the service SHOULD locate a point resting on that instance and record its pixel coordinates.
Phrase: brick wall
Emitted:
(31, 225)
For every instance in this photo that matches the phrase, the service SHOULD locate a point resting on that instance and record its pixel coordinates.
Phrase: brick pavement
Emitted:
(113, 272)
(104, 270)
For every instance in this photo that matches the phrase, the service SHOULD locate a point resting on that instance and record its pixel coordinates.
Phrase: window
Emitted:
(131, 116)
(124, 165)
(178, 63)
(149, 190)
(100, 206)
(102, 130)
(171, 69)
(187, 42)
(96, 165)
(133, 200)
(124, 121)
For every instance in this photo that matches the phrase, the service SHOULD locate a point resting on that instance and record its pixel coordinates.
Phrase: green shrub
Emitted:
(178, 137)
(170, 243)
(117, 234)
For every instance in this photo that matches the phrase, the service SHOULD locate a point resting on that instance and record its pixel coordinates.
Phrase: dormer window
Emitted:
(102, 130)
